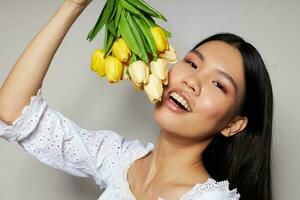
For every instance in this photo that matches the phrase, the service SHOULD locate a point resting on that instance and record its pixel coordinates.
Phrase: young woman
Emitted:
(217, 146)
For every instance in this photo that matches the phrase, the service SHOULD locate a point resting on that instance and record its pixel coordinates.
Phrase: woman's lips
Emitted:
(183, 94)
(173, 106)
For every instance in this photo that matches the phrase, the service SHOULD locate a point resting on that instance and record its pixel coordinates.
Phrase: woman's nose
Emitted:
(192, 85)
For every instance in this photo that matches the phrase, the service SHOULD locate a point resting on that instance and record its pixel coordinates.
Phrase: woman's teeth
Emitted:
(181, 101)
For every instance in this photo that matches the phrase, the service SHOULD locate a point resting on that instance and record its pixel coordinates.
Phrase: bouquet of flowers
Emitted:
(135, 47)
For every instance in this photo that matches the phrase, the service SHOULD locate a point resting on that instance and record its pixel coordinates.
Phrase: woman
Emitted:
(220, 133)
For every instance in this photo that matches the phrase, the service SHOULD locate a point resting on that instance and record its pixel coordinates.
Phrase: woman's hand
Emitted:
(80, 3)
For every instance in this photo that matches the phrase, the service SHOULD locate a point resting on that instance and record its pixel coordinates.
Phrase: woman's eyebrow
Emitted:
(198, 54)
(221, 72)
(228, 77)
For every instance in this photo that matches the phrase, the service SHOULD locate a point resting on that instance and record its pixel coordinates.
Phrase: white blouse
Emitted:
(103, 155)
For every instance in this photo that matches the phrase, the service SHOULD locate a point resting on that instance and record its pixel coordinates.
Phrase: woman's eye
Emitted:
(220, 85)
(191, 64)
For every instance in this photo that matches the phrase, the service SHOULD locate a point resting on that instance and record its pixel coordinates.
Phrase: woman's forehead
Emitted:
(222, 54)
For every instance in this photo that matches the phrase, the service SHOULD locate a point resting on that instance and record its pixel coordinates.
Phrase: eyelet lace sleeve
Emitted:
(60, 143)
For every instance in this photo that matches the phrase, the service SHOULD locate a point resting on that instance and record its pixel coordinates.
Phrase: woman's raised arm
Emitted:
(42, 131)
(27, 75)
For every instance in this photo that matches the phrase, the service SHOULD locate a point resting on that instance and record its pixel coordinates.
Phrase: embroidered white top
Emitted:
(103, 155)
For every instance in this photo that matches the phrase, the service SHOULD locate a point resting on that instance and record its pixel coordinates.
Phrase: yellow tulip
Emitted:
(121, 50)
(154, 88)
(169, 55)
(139, 72)
(159, 68)
(113, 69)
(160, 38)
(97, 63)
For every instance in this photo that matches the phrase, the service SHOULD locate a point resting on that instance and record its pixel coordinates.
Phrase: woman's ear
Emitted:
(237, 125)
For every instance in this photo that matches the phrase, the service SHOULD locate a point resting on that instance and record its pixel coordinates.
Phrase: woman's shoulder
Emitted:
(123, 145)
(212, 190)
(120, 149)
(123, 152)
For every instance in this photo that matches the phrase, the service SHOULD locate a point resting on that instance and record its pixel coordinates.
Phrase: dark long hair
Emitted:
(244, 159)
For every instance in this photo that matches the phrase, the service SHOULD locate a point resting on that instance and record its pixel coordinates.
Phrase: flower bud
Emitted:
(138, 72)
(169, 55)
(159, 68)
(113, 69)
(97, 63)
(121, 50)
(160, 38)
(154, 88)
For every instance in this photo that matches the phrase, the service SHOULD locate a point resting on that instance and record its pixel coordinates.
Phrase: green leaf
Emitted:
(127, 35)
(106, 36)
(111, 27)
(145, 43)
(129, 7)
(103, 18)
(168, 34)
(108, 41)
(153, 24)
(118, 15)
(138, 38)
(142, 16)
(142, 5)
(115, 7)
(143, 37)
(132, 58)
(148, 36)
(118, 33)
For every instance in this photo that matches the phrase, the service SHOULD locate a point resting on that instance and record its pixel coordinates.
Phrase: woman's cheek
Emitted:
(176, 71)
(172, 74)
(212, 108)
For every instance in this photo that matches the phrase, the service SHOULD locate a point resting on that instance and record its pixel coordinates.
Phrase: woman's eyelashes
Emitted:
(191, 63)
(218, 84)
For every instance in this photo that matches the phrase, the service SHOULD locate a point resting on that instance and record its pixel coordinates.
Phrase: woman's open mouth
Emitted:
(175, 105)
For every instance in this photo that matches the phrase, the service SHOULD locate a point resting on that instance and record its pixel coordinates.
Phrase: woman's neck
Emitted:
(175, 160)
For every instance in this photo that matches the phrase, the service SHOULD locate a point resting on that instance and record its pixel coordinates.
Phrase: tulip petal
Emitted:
(146, 79)
(137, 71)
(160, 38)
(154, 88)
(159, 68)
(113, 69)
(170, 55)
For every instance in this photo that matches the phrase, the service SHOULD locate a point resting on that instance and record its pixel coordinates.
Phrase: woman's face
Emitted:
(212, 78)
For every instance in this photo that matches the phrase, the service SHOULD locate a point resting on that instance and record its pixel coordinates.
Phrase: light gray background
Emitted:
(70, 87)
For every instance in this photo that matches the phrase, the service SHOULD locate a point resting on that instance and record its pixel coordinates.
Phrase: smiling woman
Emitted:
(215, 118)
(223, 80)
(244, 159)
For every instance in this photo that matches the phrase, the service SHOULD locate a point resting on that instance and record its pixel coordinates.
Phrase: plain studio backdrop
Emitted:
(81, 95)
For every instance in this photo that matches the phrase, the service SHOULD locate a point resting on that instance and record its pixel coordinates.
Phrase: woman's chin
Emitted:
(166, 118)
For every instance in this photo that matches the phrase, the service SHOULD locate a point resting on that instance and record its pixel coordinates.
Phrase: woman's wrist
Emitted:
(76, 6)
